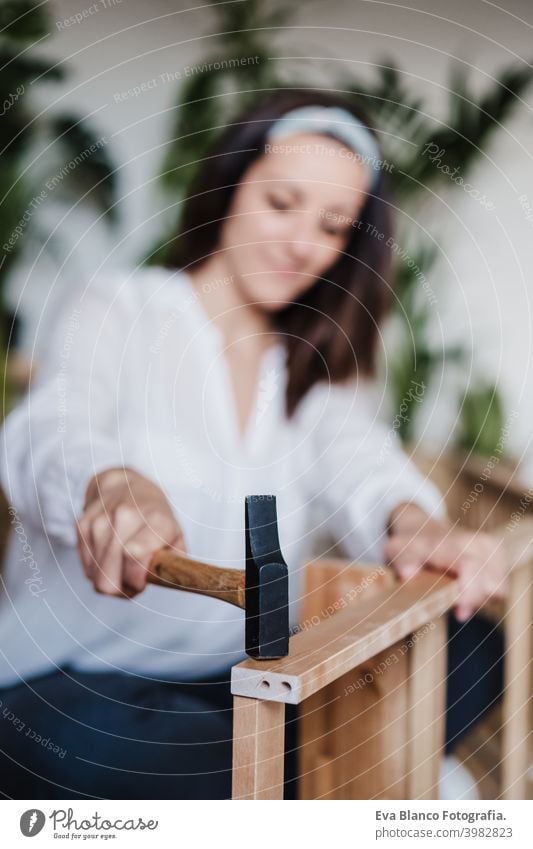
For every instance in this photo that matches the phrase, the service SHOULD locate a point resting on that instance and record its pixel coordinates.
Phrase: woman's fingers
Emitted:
(474, 558)
(109, 530)
(84, 535)
(119, 531)
(472, 587)
(139, 549)
(107, 575)
(137, 560)
(127, 519)
(407, 555)
(482, 577)
(101, 536)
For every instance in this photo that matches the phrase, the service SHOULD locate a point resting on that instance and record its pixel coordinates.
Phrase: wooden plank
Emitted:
(517, 694)
(353, 733)
(347, 639)
(326, 582)
(334, 583)
(369, 729)
(427, 706)
(313, 770)
(258, 749)
(345, 728)
(466, 469)
(517, 543)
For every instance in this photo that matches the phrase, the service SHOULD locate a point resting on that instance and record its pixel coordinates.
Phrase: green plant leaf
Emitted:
(87, 165)
(481, 421)
(23, 20)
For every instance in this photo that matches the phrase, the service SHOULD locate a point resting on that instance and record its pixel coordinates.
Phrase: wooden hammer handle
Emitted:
(170, 569)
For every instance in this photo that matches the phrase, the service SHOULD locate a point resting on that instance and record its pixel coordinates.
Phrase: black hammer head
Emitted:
(267, 581)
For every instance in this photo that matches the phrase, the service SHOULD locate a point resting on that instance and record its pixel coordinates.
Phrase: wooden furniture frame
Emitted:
(368, 669)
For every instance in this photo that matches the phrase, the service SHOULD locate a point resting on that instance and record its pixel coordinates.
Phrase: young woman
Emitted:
(165, 397)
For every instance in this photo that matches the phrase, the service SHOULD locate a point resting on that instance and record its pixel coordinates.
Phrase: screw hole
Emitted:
(265, 685)
(286, 686)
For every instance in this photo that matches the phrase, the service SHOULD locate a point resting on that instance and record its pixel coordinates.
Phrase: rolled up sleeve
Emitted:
(359, 472)
(66, 428)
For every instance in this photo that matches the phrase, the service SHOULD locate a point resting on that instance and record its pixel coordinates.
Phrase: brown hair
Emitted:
(331, 331)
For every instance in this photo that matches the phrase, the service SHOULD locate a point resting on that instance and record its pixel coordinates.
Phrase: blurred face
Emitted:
(293, 211)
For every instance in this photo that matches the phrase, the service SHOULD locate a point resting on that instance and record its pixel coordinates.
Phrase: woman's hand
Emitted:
(126, 517)
(477, 558)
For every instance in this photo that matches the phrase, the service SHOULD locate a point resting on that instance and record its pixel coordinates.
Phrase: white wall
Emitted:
(484, 280)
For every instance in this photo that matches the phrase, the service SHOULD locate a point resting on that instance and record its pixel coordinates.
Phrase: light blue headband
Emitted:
(336, 121)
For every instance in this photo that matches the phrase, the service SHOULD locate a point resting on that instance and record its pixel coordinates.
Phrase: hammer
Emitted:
(261, 589)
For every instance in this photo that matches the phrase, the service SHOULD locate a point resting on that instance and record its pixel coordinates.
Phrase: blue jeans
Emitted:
(72, 735)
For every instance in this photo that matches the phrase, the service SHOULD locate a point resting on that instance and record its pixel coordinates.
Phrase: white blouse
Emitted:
(135, 374)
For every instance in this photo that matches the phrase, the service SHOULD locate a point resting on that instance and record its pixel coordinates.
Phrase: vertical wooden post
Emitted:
(427, 706)
(517, 693)
(353, 736)
(258, 749)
